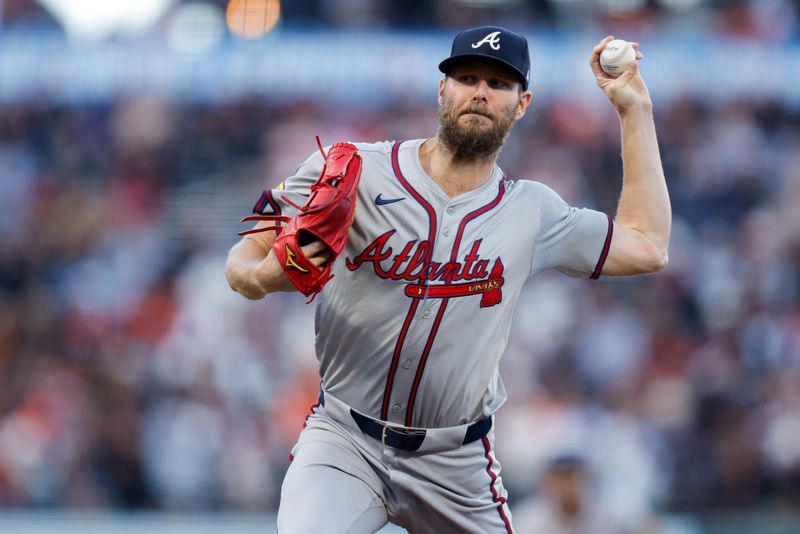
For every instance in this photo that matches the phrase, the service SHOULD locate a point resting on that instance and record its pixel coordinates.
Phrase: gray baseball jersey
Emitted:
(412, 327)
(410, 330)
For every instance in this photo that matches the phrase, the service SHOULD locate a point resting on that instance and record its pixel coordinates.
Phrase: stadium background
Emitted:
(136, 388)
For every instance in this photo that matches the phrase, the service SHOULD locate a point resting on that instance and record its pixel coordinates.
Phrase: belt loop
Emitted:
(383, 434)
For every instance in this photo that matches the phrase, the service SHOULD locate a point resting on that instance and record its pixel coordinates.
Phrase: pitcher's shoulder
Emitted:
(524, 188)
(377, 148)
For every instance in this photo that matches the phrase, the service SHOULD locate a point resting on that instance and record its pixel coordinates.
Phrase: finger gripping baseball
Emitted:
(326, 216)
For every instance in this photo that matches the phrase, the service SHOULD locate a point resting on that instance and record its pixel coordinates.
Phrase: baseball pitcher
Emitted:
(415, 252)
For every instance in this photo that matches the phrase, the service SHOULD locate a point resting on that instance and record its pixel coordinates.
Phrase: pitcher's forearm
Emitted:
(242, 269)
(644, 204)
(253, 271)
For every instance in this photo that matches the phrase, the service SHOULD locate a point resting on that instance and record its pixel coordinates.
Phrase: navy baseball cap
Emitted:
(494, 43)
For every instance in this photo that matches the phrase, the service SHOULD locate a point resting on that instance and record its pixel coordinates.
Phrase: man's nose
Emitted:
(481, 91)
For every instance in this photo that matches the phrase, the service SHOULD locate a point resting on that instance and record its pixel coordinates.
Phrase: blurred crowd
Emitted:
(774, 21)
(132, 377)
(771, 20)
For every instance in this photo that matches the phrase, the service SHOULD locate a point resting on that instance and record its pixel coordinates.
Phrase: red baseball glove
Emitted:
(327, 216)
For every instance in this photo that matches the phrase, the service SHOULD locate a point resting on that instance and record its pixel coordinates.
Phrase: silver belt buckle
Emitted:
(403, 431)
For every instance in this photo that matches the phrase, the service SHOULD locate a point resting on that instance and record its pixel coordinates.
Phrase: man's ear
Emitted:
(442, 83)
(525, 100)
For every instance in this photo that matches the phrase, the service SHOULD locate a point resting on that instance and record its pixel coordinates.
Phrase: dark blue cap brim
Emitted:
(451, 62)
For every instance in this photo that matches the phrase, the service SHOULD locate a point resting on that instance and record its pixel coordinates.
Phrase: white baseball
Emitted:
(616, 57)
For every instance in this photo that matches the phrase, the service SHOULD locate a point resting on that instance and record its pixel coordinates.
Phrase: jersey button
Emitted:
(426, 314)
(446, 231)
(451, 210)
(396, 408)
(407, 364)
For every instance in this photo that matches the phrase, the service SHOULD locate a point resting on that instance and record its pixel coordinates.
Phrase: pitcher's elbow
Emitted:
(234, 278)
(229, 274)
(658, 262)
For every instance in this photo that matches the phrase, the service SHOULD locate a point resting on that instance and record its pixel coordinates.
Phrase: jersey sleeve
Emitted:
(294, 189)
(572, 240)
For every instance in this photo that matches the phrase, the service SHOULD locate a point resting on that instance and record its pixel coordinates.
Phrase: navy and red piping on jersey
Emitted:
(606, 247)
(413, 307)
(412, 397)
(474, 214)
(434, 330)
(267, 198)
(305, 421)
(387, 392)
(419, 198)
(492, 486)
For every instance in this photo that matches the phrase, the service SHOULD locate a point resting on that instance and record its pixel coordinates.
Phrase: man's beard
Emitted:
(471, 143)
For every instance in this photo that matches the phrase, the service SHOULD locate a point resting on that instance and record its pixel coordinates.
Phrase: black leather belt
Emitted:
(408, 439)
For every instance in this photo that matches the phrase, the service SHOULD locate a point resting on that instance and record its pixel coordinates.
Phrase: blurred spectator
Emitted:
(566, 503)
